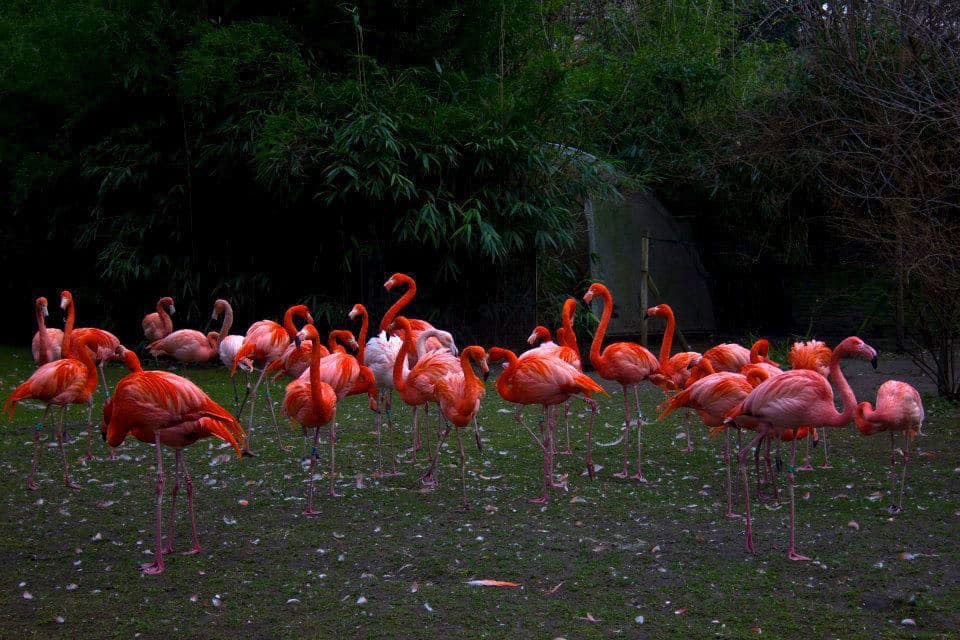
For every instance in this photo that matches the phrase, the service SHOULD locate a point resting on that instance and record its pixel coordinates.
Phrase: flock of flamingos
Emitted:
(729, 386)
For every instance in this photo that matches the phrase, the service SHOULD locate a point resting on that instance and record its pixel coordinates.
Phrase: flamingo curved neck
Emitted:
(595, 357)
(165, 320)
(503, 380)
(569, 335)
(227, 321)
(404, 300)
(362, 340)
(848, 400)
(399, 383)
(68, 329)
(84, 355)
(667, 344)
(315, 396)
(42, 332)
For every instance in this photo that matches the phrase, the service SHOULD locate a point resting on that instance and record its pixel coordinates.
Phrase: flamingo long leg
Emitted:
(547, 467)
(593, 415)
(463, 470)
(276, 425)
(639, 474)
(741, 460)
(726, 461)
(428, 478)
(826, 461)
(66, 467)
(172, 525)
(332, 492)
(193, 518)
(253, 410)
(792, 549)
(90, 430)
(156, 566)
(31, 483)
(626, 435)
(311, 474)
(903, 474)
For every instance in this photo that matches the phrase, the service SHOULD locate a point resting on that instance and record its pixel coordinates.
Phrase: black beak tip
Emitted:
(873, 362)
(296, 341)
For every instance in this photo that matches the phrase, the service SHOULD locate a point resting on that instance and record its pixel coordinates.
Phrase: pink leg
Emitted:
(428, 478)
(463, 471)
(276, 425)
(547, 469)
(626, 436)
(792, 549)
(686, 427)
(312, 474)
(379, 419)
(566, 426)
(172, 525)
(31, 483)
(195, 549)
(416, 433)
(741, 459)
(903, 474)
(639, 474)
(593, 414)
(806, 455)
(253, 411)
(726, 461)
(826, 460)
(89, 455)
(391, 426)
(66, 468)
(551, 427)
(332, 492)
(156, 566)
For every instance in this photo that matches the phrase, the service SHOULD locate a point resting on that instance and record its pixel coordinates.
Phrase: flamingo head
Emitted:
(396, 279)
(219, 308)
(66, 299)
(42, 306)
(660, 310)
(596, 289)
(854, 346)
(167, 304)
(357, 311)
(308, 332)
(540, 334)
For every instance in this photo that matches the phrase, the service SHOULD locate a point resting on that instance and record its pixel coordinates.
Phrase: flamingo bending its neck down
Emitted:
(793, 399)
(898, 408)
(162, 408)
(674, 370)
(159, 324)
(71, 380)
(266, 341)
(46, 343)
(545, 380)
(459, 394)
(628, 364)
(313, 403)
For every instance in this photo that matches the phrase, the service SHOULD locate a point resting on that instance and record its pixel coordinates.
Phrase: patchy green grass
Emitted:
(589, 567)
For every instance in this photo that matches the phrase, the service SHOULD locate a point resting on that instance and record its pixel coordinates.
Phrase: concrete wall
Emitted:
(615, 230)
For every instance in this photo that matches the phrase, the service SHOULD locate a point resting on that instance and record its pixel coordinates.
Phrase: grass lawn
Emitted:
(607, 558)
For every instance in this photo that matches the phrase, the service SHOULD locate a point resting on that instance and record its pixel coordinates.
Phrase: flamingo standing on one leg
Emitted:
(71, 380)
(379, 366)
(459, 394)
(674, 370)
(313, 403)
(103, 344)
(46, 343)
(163, 408)
(898, 408)
(812, 355)
(159, 324)
(628, 364)
(265, 342)
(794, 399)
(545, 380)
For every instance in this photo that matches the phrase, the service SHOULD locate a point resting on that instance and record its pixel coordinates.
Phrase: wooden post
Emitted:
(644, 285)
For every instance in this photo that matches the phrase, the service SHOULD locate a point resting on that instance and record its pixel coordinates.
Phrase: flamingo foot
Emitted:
(806, 467)
(639, 477)
(311, 512)
(168, 549)
(565, 452)
(826, 465)
(88, 457)
(544, 499)
(793, 555)
(731, 514)
(464, 508)
(152, 568)
(749, 539)
(70, 484)
(192, 551)
(32, 484)
(686, 450)
(622, 475)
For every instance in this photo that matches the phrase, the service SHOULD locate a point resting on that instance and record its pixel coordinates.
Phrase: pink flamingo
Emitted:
(313, 403)
(229, 345)
(459, 394)
(163, 408)
(46, 343)
(416, 386)
(71, 380)
(159, 324)
(188, 346)
(628, 364)
(103, 344)
(377, 357)
(545, 380)
(898, 409)
(791, 400)
(265, 342)
(730, 356)
(544, 345)
(812, 355)
(674, 370)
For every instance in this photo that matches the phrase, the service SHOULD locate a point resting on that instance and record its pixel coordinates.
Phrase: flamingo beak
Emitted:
(172, 310)
(44, 311)
(873, 362)
(296, 340)
(532, 338)
(63, 302)
(588, 296)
